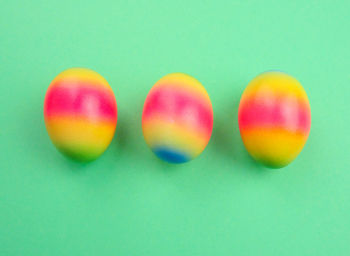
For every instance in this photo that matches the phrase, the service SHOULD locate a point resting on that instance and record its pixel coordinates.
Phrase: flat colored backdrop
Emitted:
(130, 203)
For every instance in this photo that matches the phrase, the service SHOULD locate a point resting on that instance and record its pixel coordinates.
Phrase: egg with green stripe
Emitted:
(80, 113)
(274, 118)
(177, 119)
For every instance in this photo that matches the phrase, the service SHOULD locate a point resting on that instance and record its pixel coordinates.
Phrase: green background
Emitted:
(130, 203)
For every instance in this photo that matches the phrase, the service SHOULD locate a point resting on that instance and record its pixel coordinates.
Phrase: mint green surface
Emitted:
(130, 203)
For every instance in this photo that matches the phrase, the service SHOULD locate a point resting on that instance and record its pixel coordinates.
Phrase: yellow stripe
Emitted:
(185, 82)
(70, 132)
(278, 83)
(160, 133)
(83, 75)
(273, 145)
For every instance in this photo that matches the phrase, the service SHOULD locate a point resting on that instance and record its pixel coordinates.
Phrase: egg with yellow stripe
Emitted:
(80, 113)
(274, 118)
(177, 119)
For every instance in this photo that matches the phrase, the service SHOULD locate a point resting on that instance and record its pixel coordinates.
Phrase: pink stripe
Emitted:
(81, 100)
(288, 112)
(179, 106)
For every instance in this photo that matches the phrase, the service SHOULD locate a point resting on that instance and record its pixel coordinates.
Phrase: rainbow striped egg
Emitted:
(177, 118)
(80, 113)
(274, 118)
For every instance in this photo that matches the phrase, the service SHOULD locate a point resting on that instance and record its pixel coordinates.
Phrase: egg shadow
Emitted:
(120, 139)
(226, 138)
(36, 141)
(31, 120)
(128, 139)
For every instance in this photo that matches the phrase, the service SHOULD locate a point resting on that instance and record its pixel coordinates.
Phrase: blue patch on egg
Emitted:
(171, 155)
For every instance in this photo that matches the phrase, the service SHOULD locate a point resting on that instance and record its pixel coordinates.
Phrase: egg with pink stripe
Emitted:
(177, 119)
(80, 113)
(274, 118)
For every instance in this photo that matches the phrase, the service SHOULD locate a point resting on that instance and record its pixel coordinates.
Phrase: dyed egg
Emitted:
(177, 118)
(274, 118)
(80, 113)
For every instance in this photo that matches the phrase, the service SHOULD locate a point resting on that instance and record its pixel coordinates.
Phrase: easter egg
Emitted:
(177, 119)
(274, 118)
(80, 113)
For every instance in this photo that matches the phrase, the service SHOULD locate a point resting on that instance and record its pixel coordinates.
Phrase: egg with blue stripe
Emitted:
(177, 119)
